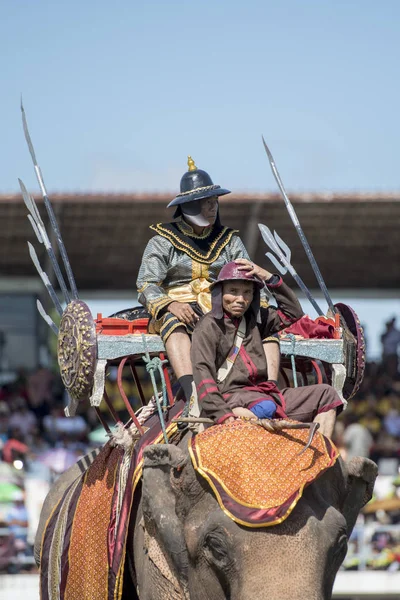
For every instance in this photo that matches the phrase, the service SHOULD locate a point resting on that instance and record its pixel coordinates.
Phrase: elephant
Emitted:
(182, 546)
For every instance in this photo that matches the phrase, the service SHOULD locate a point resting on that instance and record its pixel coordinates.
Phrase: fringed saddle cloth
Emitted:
(257, 476)
(84, 542)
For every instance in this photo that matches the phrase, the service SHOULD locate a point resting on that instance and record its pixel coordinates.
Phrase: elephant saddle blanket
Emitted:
(84, 541)
(257, 476)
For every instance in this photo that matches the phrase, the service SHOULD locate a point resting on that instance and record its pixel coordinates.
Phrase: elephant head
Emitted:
(194, 550)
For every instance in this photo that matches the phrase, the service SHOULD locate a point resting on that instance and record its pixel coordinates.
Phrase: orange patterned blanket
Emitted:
(84, 542)
(258, 477)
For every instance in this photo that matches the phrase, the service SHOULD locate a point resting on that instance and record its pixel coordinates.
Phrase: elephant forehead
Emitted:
(306, 541)
(258, 477)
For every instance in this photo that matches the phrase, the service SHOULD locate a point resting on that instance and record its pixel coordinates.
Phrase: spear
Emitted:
(38, 227)
(299, 230)
(46, 317)
(45, 279)
(49, 208)
(283, 252)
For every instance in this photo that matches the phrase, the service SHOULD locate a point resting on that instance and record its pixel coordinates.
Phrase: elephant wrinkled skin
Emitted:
(185, 547)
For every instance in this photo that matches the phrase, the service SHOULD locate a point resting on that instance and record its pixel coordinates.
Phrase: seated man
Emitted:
(229, 366)
(180, 263)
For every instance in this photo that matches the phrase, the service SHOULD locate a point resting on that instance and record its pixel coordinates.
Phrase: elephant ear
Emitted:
(366, 471)
(361, 475)
(159, 505)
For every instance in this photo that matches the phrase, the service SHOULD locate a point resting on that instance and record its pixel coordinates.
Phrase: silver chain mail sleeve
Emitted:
(164, 266)
(153, 272)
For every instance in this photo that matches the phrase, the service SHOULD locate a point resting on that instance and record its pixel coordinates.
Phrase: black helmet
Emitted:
(196, 185)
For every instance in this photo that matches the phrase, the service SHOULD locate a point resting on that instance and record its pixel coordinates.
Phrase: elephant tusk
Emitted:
(273, 426)
(313, 429)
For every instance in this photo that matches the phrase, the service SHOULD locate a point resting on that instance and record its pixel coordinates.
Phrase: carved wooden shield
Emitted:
(354, 350)
(77, 349)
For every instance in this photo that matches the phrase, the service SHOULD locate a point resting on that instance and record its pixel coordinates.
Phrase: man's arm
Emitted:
(203, 355)
(272, 353)
(288, 309)
(152, 273)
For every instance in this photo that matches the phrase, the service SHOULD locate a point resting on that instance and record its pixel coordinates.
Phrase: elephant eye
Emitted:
(216, 549)
(177, 471)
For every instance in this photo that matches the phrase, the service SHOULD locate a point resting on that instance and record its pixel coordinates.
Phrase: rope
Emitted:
(152, 365)
(292, 354)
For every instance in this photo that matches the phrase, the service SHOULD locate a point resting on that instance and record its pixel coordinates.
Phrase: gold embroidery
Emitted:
(187, 230)
(141, 289)
(199, 189)
(172, 328)
(197, 290)
(271, 338)
(208, 258)
(154, 306)
(146, 285)
(196, 269)
(205, 272)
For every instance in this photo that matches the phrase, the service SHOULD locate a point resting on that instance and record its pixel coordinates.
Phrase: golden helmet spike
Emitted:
(191, 165)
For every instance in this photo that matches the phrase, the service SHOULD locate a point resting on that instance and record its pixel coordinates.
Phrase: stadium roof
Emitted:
(354, 237)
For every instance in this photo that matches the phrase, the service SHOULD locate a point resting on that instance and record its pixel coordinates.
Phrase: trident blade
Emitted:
(285, 248)
(282, 270)
(40, 231)
(35, 229)
(46, 317)
(299, 230)
(272, 243)
(45, 279)
(286, 251)
(49, 208)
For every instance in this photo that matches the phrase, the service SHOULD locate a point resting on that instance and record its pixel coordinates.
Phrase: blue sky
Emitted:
(117, 94)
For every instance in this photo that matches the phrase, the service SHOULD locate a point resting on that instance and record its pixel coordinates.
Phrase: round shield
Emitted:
(354, 350)
(77, 349)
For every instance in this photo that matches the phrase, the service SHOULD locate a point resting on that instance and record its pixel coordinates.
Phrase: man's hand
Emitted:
(228, 420)
(184, 312)
(252, 269)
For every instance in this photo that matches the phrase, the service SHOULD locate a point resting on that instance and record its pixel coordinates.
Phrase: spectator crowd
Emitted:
(38, 441)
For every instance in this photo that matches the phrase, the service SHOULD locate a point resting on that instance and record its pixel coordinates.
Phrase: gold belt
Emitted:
(197, 290)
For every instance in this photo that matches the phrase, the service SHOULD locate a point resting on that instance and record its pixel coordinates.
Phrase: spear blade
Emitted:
(40, 231)
(271, 242)
(299, 230)
(35, 229)
(46, 317)
(26, 133)
(49, 208)
(282, 270)
(45, 279)
(285, 248)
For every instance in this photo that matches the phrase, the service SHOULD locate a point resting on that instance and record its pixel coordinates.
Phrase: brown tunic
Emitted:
(247, 382)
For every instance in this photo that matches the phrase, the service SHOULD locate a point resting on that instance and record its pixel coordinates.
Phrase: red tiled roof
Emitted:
(354, 236)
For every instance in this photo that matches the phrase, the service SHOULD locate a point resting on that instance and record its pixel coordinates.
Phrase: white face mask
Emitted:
(193, 211)
(198, 219)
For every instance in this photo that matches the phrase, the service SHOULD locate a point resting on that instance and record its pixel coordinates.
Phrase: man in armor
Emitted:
(181, 262)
